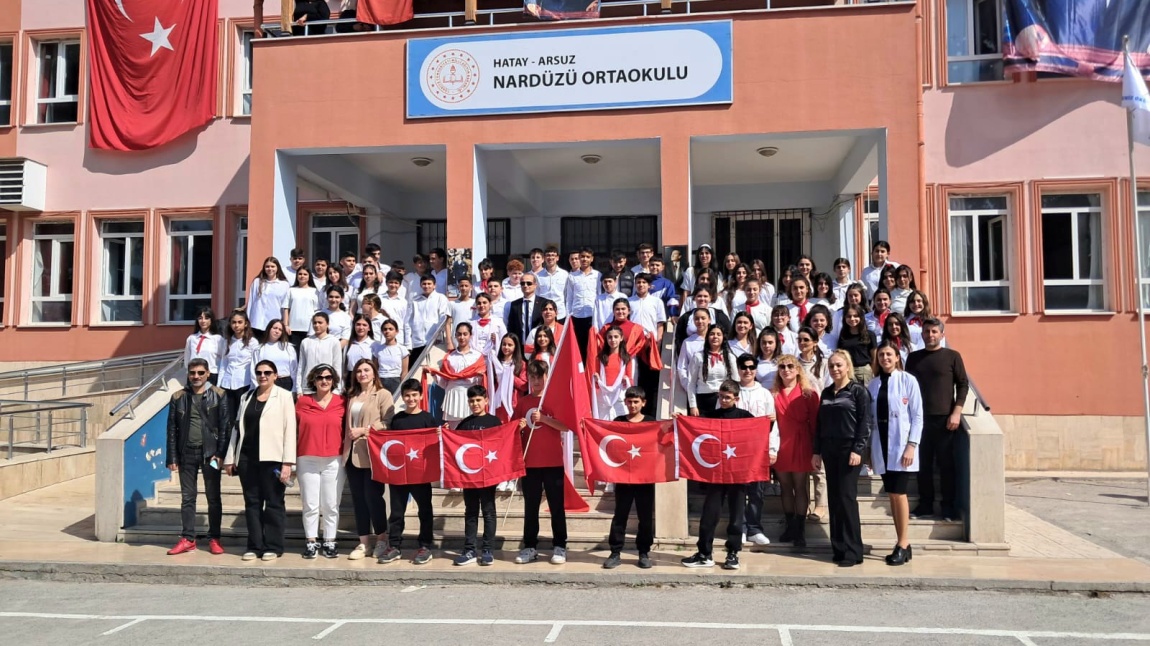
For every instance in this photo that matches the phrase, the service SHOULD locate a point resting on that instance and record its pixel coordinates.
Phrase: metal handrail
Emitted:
(84, 366)
(978, 395)
(35, 410)
(51, 382)
(160, 377)
(416, 365)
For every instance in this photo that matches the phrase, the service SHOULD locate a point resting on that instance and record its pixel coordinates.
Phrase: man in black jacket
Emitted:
(526, 314)
(199, 429)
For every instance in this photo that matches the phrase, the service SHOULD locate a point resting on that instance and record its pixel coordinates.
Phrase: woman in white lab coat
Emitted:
(897, 423)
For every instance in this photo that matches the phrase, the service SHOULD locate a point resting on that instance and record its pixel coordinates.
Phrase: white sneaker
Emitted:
(358, 553)
(526, 555)
(455, 490)
(270, 556)
(559, 556)
(249, 556)
(745, 541)
(760, 539)
(610, 488)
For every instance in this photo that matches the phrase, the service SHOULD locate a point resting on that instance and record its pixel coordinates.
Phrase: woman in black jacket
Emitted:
(844, 428)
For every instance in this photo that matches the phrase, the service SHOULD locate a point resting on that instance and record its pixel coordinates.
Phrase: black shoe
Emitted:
(311, 550)
(950, 515)
(800, 541)
(900, 555)
(698, 560)
(788, 534)
(329, 550)
(837, 557)
(612, 561)
(645, 561)
(850, 562)
(921, 512)
(732, 562)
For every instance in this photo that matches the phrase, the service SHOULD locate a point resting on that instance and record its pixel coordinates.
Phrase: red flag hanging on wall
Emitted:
(155, 70)
(724, 451)
(384, 12)
(405, 457)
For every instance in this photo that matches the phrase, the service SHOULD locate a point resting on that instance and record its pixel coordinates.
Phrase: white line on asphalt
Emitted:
(593, 623)
(785, 637)
(554, 634)
(1026, 641)
(329, 630)
(123, 626)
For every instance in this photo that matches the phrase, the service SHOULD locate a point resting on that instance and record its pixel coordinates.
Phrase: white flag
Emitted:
(1136, 98)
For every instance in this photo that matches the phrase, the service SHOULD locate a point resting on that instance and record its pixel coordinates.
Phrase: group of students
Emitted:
(807, 352)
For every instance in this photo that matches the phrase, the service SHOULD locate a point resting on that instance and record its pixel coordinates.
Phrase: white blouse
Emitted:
(390, 359)
(357, 350)
(236, 369)
(301, 303)
(209, 347)
(281, 354)
(266, 301)
(698, 384)
(481, 334)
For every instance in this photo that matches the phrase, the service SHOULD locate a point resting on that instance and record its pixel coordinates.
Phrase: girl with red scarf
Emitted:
(462, 368)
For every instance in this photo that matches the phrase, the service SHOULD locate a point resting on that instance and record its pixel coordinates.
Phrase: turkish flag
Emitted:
(476, 459)
(626, 453)
(384, 12)
(155, 70)
(724, 451)
(405, 457)
(568, 394)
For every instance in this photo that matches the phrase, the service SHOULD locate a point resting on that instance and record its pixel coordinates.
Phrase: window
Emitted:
(245, 75)
(870, 230)
(241, 284)
(979, 239)
(333, 234)
(5, 84)
(53, 245)
(777, 237)
(433, 233)
(973, 41)
(192, 268)
(1144, 231)
(122, 288)
(1072, 271)
(609, 233)
(58, 96)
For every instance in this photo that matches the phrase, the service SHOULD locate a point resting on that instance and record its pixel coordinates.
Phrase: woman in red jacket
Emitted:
(796, 411)
(320, 448)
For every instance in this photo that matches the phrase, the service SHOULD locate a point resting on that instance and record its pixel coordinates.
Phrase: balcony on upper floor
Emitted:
(438, 14)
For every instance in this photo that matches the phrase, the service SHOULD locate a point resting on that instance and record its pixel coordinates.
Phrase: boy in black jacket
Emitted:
(483, 497)
(643, 495)
(410, 419)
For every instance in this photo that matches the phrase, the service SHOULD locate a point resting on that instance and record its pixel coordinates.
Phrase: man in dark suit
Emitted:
(526, 313)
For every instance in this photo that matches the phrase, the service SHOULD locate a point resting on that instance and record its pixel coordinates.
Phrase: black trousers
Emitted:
(706, 403)
(754, 512)
(296, 338)
(390, 384)
(191, 464)
(643, 496)
(648, 379)
(537, 482)
(367, 500)
(475, 501)
(937, 444)
(263, 505)
(415, 352)
(582, 333)
(234, 395)
(842, 499)
(283, 382)
(736, 497)
(422, 494)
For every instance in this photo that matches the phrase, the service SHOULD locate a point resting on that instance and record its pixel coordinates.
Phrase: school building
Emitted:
(771, 128)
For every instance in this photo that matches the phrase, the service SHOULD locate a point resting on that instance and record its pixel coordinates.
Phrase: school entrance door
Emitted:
(777, 237)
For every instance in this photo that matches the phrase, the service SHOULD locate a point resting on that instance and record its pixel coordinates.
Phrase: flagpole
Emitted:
(1140, 261)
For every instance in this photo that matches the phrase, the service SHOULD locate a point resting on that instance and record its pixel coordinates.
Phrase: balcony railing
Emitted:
(437, 14)
(35, 427)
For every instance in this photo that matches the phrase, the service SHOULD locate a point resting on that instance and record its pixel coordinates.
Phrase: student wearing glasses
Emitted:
(263, 454)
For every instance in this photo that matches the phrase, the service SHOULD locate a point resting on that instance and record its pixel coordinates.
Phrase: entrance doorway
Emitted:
(776, 236)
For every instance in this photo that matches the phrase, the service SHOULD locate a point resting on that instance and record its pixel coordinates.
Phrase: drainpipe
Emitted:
(923, 236)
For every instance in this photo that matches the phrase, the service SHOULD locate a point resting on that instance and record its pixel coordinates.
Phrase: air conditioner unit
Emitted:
(23, 184)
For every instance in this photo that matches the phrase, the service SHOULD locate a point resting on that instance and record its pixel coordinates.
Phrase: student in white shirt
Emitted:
(811, 358)
(758, 401)
(876, 318)
(733, 296)
(511, 289)
(644, 252)
(783, 293)
(350, 268)
(692, 345)
(206, 343)
(499, 304)
(318, 349)
(842, 280)
(336, 278)
(854, 295)
(582, 292)
(301, 302)
(895, 332)
(768, 353)
(755, 305)
(704, 260)
(437, 259)
(800, 302)
(296, 261)
(276, 349)
(707, 370)
(236, 368)
(412, 279)
(820, 320)
(319, 273)
(647, 309)
(602, 312)
(488, 328)
(369, 308)
(553, 281)
(781, 324)
(879, 260)
(463, 308)
(339, 322)
(427, 310)
(266, 296)
(742, 337)
(455, 406)
(361, 345)
(371, 282)
(759, 273)
(904, 285)
(391, 357)
(550, 322)
(395, 306)
(824, 292)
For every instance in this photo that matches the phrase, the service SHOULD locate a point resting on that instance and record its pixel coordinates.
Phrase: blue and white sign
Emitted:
(610, 68)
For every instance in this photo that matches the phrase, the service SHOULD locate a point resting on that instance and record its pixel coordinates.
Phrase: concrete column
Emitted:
(461, 206)
(271, 208)
(846, 229)
(479, 210)
(675, 176)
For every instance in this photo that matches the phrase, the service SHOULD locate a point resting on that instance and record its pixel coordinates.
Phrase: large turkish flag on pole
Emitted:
(724, 451)
(477, 459)
(626, 453)
(155, 70)
(405, 457)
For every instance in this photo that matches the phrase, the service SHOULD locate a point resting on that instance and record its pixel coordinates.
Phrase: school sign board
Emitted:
(559, 70)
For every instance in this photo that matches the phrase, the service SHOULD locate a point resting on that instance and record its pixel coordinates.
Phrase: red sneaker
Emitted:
(214, 547)
(183, 546)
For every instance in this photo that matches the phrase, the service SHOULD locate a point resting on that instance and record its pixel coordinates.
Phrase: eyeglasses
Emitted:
(747, 368)
(802, 340)
(324, 378)
(788, 366)
(197, 373)
(265, 373)
(526, 282)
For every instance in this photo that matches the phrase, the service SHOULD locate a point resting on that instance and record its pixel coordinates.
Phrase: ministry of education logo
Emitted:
(452, 76)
